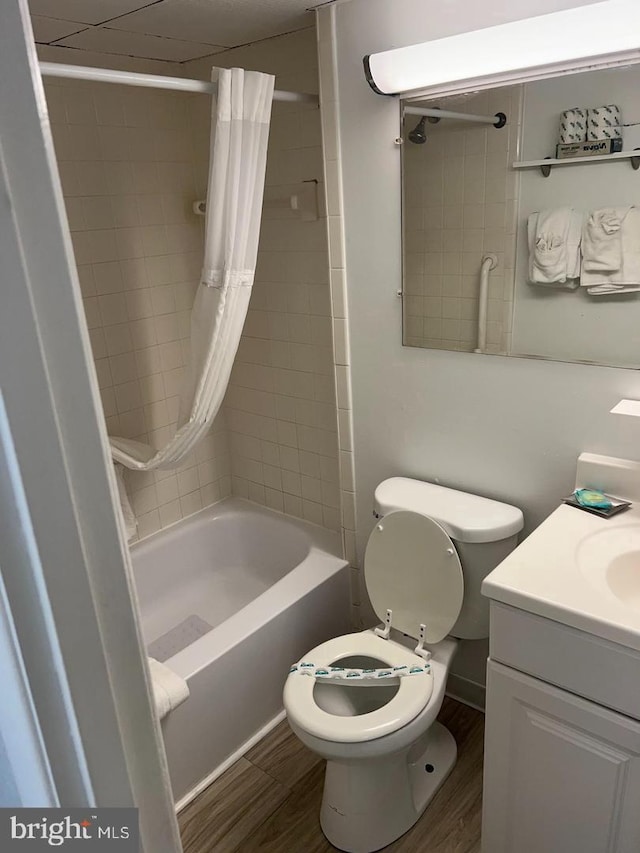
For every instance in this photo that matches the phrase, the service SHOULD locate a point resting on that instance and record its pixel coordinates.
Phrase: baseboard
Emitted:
(462, 689)
(466, 691)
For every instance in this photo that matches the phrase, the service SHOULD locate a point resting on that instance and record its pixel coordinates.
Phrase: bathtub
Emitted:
(229, 599)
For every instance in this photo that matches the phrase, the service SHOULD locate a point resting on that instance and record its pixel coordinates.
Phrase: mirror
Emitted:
(560, 246)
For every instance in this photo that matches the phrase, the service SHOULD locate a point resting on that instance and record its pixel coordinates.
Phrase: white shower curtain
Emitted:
(239, 137)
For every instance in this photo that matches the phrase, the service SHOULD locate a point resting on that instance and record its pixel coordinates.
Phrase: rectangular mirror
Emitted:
(493, 253)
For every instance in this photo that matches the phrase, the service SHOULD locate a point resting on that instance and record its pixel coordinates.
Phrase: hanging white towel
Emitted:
(602, 239)
(169, 690)
(626, 279)
(554, 247)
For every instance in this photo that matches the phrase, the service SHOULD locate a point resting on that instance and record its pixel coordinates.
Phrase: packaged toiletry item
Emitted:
(596, 502)
(594, 148)
(592, 498)
(573, 126)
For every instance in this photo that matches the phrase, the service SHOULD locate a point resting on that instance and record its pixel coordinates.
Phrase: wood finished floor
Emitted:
(269, 801)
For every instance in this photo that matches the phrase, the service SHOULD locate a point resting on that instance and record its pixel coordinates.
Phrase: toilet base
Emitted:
(368, 804)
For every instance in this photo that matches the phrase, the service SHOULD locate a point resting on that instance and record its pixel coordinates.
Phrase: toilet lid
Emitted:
(412, 568)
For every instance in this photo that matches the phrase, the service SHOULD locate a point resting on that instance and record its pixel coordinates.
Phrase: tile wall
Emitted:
(280, 407)
(126, 163)
(339, 301)
(460, 203)
(132, 161)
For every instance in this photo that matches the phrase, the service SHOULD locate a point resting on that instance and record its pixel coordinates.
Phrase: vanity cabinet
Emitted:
(562, 772)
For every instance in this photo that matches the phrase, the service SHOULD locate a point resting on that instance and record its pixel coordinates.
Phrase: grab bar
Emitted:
(489, 262)
(303, 201)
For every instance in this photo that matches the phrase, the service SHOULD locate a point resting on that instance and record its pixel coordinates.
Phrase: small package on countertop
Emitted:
(591, 500)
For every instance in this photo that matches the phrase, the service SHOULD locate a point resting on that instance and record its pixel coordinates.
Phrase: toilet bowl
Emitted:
(368, 701)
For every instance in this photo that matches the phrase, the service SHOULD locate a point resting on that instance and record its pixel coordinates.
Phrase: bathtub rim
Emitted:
(323, 538)
(321, 562)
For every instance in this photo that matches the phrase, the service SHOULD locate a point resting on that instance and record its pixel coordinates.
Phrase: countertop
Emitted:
(544, 576)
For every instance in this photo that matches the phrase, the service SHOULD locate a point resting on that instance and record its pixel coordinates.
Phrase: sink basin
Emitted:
(610, 561)
(579, 569)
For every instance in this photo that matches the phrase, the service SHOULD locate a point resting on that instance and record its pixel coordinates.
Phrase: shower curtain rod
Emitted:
(153, 81)
(497, 120)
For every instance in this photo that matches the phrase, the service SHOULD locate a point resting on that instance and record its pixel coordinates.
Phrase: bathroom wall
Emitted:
(459, 204)
(574, 325)
(126, 163)
(132, 161)
(280, 407)
(506, 428)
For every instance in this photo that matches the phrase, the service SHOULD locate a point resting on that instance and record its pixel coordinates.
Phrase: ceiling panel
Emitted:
(50, 29)
(85, 11)
(228, 22)
(105, 40)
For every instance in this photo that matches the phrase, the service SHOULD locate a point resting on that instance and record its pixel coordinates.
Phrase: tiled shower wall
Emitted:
(132, 161)
(460, 203)
(280, 407)
(126, 163)
(326, 47)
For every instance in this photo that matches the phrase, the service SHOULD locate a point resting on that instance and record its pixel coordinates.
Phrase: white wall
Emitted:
(573, 325)
(503, 427)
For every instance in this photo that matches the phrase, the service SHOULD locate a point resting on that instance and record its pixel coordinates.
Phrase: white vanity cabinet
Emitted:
(562, 766)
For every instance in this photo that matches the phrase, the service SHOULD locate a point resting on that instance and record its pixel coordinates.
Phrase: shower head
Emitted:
(417, 135)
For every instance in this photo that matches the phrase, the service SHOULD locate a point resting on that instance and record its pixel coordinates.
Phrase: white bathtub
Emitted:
(271, 588)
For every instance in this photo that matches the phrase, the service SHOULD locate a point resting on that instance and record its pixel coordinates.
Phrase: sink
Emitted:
(578, 569)
(610, 561)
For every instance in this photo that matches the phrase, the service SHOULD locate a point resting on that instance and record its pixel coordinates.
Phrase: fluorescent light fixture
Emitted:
(569, 40)
(627, 407)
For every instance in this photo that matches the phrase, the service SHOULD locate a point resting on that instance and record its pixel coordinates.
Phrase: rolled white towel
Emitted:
(169, 689)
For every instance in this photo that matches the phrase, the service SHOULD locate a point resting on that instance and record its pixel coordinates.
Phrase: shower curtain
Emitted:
(239, 137)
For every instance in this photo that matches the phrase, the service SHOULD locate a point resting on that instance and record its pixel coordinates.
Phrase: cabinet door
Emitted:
(561, 775)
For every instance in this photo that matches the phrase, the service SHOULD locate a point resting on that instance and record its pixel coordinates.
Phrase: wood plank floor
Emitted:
(269, 801)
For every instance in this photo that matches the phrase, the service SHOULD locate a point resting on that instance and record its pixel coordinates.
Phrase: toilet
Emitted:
(368, 701)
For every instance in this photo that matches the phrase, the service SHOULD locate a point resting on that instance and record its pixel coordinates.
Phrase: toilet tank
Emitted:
(483, 532)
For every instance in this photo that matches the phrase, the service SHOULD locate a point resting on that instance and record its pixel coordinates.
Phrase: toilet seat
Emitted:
(412, 697)
(414, 579)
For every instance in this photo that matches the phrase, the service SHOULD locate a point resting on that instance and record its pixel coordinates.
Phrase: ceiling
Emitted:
(171, 30)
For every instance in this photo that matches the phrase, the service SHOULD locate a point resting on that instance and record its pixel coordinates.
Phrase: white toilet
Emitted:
(367, 702)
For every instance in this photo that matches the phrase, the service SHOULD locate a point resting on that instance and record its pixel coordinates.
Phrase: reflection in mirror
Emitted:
(494, 257)
(458, 207)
